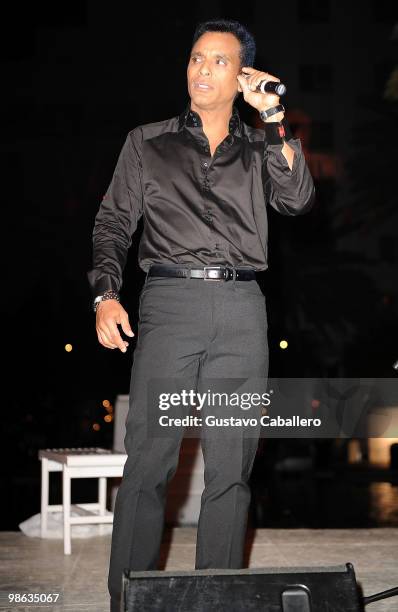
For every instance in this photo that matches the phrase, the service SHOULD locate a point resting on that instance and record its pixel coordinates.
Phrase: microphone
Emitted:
(272, 87)
(275, 87)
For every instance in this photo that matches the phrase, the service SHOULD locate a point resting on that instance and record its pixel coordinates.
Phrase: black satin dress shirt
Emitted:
(197, 209)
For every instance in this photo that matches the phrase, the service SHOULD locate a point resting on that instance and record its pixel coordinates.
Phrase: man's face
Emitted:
(212, 69)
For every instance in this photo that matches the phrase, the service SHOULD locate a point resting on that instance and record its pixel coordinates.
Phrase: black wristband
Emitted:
(277, 132)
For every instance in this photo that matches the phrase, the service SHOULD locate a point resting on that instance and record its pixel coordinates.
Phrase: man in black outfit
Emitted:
(202, 181)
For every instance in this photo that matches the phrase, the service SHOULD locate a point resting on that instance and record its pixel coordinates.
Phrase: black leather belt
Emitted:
(210, 273)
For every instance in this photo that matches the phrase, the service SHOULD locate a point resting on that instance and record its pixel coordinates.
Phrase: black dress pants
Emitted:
(191, 330)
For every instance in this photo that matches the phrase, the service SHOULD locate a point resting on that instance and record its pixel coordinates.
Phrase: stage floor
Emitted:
(82, 576)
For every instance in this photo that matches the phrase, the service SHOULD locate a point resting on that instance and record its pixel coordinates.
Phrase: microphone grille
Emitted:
(280, 89)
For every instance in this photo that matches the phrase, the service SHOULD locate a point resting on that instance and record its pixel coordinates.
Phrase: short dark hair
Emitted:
(246, 39)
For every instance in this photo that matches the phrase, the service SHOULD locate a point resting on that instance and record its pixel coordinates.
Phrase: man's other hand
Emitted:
(110, 313)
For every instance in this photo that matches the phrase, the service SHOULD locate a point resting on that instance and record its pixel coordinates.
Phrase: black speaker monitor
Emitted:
(288, 589)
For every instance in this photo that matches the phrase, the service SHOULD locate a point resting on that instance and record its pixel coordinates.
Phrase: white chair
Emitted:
(78, 463)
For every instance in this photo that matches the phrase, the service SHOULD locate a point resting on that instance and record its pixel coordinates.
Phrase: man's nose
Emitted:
(204, 69)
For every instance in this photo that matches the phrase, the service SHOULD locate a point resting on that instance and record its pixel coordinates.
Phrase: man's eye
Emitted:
(223, 61)
(194, 59)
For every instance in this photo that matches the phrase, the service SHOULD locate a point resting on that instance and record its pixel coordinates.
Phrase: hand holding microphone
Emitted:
(260, 89)
(275, 87)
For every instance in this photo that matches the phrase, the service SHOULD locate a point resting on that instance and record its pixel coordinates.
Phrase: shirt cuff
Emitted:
(100, 282)
(279, 162)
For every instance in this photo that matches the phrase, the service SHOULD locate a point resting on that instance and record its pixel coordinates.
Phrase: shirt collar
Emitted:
(190, 118)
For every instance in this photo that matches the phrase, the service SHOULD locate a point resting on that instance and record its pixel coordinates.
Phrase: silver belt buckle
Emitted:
(208, 273)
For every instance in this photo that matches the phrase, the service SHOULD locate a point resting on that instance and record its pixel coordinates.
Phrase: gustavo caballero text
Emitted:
(214, 421)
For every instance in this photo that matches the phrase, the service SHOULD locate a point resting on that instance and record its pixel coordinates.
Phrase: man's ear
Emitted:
(239, 87)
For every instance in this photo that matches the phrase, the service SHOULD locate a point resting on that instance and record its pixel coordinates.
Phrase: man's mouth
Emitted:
(202, 86)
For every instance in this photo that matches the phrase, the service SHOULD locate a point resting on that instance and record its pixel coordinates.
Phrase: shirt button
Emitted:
(205, 164)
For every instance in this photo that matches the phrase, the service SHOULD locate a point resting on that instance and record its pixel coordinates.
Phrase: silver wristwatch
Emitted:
(265, 114)
(108, 295)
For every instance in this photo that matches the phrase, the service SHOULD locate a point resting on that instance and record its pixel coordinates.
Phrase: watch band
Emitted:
(108, 295)
(265, 114)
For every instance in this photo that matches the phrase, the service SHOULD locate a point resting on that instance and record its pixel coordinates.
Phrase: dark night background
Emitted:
(77, 77)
